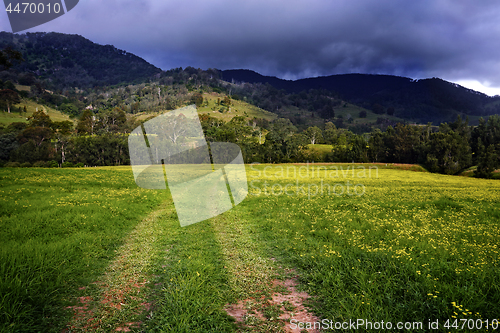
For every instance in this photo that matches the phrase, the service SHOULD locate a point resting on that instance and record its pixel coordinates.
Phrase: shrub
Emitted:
(52, 164)
(67, 165)
(26, 165)
(39, 164)
(432, 163)
(12, 165)
(79, 165)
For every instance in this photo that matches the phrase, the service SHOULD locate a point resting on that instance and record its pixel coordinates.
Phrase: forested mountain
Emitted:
(428, 100)
(72, 61)
(109, 92)
(63, 62)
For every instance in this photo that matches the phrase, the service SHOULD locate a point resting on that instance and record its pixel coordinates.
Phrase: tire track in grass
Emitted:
(119, 299)
(266, 298)
(263, 296)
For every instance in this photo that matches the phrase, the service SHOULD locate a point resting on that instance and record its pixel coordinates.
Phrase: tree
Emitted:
(330, 133)
(488, 161)
(358, 150)
(36, 134)
(239, 125)
(406, 142)
(86, 123)
(8, 143)
(62, 130)
(377, 149)
(16, 127)
(197, 99)
(378, 109)
(9, 97)
(275, 146)
(69, 108)
(327, 112)
(294, 145)
(313, 134)
(227, 101)
(362, 114)
(7, 56)
(283, 128)
(31, 152)
(113, 120)
(40, 119)
(449, 152)
(64, 127)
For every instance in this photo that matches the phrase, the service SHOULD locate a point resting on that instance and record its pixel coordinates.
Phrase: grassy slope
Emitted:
(349, 109)
(31, 106)
(323, 149)
(354, 110)
(238, 108)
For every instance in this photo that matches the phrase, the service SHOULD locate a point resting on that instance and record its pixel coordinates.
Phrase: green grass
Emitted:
(209, 265)
(31, 106)
(344, 111)
(194, 283)
(412, 246)
(325, 149)
(59, 229)
(318, 151)
(238, 108)
(354, 110)
(415, 246)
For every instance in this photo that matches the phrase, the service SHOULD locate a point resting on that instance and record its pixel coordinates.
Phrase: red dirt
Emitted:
(239, 312)
(111, 298)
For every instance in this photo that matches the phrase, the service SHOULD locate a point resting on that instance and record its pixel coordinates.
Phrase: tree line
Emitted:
(101, 138)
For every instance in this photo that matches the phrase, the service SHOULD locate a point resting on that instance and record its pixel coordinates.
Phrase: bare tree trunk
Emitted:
(63, 157)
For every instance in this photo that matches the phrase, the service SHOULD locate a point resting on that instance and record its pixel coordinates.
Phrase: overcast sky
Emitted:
(456, 40)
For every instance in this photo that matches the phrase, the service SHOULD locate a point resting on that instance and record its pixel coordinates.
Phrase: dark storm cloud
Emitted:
(452, 39)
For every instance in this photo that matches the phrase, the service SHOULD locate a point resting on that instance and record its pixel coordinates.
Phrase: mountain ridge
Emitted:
(73, 60)
(67, 61)
(428, 99)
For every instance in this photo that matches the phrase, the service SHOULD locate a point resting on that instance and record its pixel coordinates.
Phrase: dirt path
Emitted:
(115, 301)
(267, 293)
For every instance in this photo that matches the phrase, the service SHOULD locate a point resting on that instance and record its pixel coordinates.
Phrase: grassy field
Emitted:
(58, 230)
(413, 247)
(365, 241)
